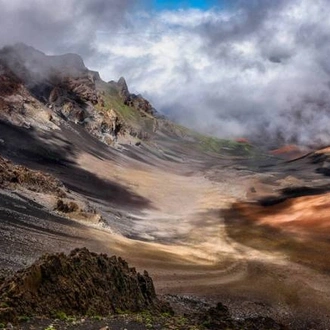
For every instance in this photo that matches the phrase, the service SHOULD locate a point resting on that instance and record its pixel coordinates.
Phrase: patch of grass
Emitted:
(131, 116)
(145, 318)
(71, 319)
(121, 312)
(61, 316)
(138, 318)
(24, 318)
(181, 320)
(149, 325)
(213, 144)
(96, 318)
(113, 101)
(50, 327)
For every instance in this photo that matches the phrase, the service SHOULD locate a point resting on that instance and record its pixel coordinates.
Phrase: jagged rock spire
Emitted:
(123, 88)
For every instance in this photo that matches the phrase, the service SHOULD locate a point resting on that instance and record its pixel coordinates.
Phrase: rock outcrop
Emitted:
(17, 175)
(82, 283)
(137, 102)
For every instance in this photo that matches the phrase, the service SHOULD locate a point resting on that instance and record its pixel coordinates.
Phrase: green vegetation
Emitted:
(147, 319)
(24, 318)
(190, 138)
(166, 315)
(121, 312)
(61, 316)
(116, 103)
(112, 100)
(181, 320)
(167, 321)
(97, 318)
(213, 144)
(50, 327)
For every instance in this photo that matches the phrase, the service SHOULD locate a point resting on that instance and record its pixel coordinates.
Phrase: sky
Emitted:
(257, 69)
(175, 5)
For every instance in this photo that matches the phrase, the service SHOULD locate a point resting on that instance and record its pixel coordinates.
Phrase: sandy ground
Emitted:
(188, 250)
(176, 219)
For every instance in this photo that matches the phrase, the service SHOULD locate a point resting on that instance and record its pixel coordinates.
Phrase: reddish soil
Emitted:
(289, 152)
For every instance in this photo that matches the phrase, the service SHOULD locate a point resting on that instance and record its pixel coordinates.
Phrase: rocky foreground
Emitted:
(84, 290)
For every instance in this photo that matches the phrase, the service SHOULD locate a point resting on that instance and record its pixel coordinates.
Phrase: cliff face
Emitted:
(82, 283)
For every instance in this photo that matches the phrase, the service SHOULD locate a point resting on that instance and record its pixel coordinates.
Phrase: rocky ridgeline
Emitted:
(82, 283)
(41, 91)
(12, 176)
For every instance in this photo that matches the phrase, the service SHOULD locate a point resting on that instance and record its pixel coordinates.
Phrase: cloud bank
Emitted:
(259, 69)
(61, 25)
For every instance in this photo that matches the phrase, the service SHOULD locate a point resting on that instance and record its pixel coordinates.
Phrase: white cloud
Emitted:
(255, 72)
(62, 25)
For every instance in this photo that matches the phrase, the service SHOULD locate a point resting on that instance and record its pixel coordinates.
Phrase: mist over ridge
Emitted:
(257, 70)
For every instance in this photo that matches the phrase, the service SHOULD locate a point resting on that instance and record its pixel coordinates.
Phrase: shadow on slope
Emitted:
(27, 230)
(52, 152)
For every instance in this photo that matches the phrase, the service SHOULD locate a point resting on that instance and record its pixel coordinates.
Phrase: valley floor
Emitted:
(178, 221)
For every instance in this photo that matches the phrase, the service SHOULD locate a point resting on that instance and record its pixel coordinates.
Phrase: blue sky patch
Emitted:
(184, 4)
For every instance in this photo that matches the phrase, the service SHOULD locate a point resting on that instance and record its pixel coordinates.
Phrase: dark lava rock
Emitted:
(82, 283)
(218, 317)
(261, 323)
